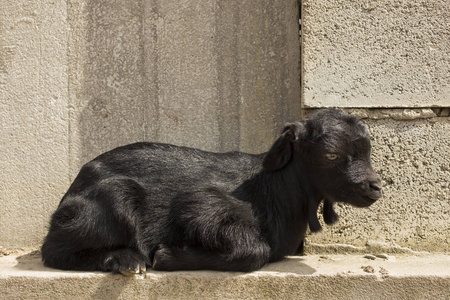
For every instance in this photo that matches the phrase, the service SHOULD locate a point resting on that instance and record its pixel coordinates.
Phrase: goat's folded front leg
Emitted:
(224, 236)
(192, 258)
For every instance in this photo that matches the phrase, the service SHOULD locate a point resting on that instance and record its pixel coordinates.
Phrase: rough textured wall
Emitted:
(387, 54)
(411, 156)
(215, 75)
(107, 104)
(376, 53)
(33, 117)
(79, 77)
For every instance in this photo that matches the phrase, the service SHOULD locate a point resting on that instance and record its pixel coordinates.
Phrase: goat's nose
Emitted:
(375, 185)
(374, 191)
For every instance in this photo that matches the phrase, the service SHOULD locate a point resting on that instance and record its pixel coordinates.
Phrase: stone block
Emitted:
(382, 53)
(34, 119)
(81, 77)
(310, 277)
(412, 159)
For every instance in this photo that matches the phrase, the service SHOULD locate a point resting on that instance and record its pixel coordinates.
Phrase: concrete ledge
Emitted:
(424, 276)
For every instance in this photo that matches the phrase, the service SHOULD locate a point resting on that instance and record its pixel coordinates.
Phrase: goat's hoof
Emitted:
(134, 270)
(127, 262)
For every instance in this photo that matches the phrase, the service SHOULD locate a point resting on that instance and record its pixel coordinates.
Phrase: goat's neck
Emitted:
(313, 200)
(281, 199)
(286, 190)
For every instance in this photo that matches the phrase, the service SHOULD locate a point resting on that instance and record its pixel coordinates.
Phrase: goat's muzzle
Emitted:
(372, 189)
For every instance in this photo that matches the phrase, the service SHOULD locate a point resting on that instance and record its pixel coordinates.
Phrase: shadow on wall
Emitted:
(220, 78)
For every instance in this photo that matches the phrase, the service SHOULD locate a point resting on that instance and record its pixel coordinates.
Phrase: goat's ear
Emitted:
(281, 151)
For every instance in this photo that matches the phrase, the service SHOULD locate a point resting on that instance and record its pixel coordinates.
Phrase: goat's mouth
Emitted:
(360, 198)
(366, 201)
(368, 194)
(368, 198)
(374, 193)
(356, 196)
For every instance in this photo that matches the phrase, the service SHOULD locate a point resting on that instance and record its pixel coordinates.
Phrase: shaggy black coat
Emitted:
(178, 208)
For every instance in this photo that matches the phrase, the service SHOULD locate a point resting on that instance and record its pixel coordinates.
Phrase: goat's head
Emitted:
(334, 150)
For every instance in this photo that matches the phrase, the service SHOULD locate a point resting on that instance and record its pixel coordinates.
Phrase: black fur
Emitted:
(177, 208)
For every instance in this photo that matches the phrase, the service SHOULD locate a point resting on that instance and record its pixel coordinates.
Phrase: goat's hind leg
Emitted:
(97, 231)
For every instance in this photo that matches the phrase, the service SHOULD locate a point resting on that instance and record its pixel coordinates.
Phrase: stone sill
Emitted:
(423, 276)
(404, 114)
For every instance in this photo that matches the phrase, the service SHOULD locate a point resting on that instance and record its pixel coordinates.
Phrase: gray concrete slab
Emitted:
(384, 53)
(425, 276)
(80, 77)
(34, 156)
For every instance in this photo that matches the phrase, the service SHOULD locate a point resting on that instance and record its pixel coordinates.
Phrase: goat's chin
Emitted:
(355, 200)
(362, 201)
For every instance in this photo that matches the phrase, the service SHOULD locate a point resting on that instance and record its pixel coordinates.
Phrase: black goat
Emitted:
(177, 208)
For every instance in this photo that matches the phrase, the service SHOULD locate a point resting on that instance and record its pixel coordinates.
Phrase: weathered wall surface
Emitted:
(411, 157)
(376, 53)
(33, 117)
(215, 75)
(79, 77)
(386, 54)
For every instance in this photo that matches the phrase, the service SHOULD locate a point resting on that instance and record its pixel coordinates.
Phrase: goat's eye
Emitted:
(331, 156)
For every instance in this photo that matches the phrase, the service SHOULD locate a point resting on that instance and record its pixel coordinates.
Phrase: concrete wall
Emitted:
(79, 77)
(386, 54)
(215, 75)
(34, 139)
(411, 156)
(376, 53)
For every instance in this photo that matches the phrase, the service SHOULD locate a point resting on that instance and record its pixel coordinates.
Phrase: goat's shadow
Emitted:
(294, 265)
(31, 262)
(109, 286)
(113, 286)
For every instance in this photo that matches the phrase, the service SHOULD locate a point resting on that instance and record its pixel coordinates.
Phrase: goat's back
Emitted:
(166, 170)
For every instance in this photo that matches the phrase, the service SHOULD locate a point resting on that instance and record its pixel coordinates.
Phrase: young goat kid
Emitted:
(177, 208)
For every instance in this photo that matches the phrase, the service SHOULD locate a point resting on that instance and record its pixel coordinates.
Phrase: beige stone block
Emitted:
(221, 75)
(34, 121)
(106, 90)
(401, 277)
(383, 53)
(269, 71)
(412, 159)
(185, 106)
